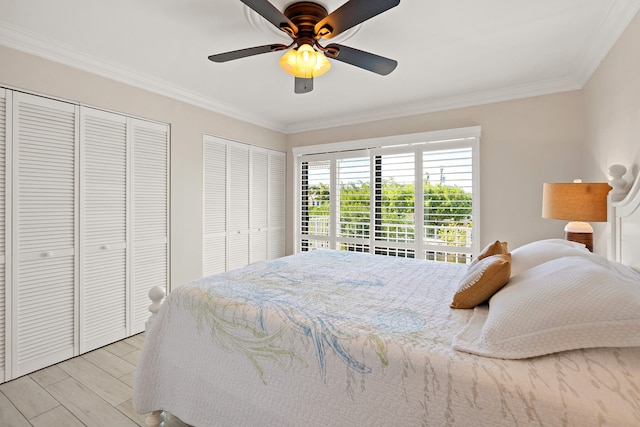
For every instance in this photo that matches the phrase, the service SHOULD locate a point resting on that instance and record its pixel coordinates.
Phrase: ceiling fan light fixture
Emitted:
(305, 62)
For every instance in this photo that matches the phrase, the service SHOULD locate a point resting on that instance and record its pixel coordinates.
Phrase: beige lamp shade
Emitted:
(575, 201)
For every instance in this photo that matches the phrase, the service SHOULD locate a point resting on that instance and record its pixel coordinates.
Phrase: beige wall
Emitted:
(523, 144)
(612, 113)
(188, 123)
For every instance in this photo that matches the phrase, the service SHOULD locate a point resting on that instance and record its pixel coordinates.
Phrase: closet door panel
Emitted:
(238, 205)
(277, 176)
(45, 313)
(149, 265)
(214, 251)
(149, 216)
(104, 228)
(3, 324)
(259, 208)
(45, 141)
(4, 241)
(104, 305)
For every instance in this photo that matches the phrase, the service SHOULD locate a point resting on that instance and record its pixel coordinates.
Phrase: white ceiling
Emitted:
(450, 53)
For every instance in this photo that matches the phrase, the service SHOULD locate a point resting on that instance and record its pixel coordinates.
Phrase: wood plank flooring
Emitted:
(93, 389)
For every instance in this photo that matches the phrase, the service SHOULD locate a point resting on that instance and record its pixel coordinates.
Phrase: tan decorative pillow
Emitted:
(494, 248)
(483, 279)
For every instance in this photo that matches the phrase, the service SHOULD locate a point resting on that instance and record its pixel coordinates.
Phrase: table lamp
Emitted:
(577, 202)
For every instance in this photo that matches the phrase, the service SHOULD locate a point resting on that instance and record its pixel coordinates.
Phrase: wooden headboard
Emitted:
(624, 218)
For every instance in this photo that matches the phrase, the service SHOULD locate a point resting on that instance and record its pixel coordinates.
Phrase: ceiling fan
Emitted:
(307, 23)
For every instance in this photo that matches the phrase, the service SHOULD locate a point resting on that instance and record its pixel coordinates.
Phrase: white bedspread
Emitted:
(328, 338)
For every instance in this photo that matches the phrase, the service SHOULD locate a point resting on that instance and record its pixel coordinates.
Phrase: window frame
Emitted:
(418, 143)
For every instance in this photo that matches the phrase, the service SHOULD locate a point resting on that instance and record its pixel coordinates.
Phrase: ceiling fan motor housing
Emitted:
(305, 15)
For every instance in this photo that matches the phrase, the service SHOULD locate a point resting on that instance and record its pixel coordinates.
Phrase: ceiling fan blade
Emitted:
(273, 15)
(303, 85)
(351, 14)
(243, 53)
(359, 58)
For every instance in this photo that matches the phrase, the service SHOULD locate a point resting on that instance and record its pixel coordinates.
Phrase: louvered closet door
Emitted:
(259, 170)
(150, 203)
(44, 229)
(277, 174)
(238, 193)
(3, 233)
(214, 251)
(103, 223)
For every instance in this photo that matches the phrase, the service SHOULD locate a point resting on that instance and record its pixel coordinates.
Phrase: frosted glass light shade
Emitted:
(305, 62)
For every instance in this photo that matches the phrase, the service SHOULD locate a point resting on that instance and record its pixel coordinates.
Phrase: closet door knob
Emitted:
(105, 247)
(47, 254)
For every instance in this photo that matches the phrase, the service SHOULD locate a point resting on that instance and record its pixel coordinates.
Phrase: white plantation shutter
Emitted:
(149, 174)
(412, 196)
(447, 220)
(277, 174)
(238, 219)
(315, 194)
(353, 185)
(3, 224)
(44, 153)
(214, 253)
(395, 208)
(259, 204)
(103, 225)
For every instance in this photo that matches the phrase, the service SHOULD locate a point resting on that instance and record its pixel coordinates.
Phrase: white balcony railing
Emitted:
(449, 239)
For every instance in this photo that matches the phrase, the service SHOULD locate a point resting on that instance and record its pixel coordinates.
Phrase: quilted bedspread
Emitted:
(327, 338)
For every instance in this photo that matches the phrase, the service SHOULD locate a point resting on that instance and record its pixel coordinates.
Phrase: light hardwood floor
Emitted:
(93, 389)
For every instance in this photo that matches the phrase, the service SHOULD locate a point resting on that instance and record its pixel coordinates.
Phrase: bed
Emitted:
(348, 339)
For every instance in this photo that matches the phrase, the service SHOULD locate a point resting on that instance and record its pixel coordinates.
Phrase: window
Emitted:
(413, 196)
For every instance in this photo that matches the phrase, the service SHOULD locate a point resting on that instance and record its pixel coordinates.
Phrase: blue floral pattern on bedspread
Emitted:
(331, 303)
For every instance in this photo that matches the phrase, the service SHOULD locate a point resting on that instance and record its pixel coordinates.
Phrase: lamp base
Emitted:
(584, 238)
(580, 232)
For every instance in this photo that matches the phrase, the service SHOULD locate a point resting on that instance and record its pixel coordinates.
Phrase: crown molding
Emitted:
(16, 38)
(611, 27)
(440, 104)
(596, 49)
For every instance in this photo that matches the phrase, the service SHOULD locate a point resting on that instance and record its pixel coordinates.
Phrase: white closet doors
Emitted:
(149, 215)
(215, 206)
(45, 203)
(276, 205)
(259, 220)
(103, 222)
(125, 223)
(243, 200)
(84, 228)
(238, 205)
(5, 235)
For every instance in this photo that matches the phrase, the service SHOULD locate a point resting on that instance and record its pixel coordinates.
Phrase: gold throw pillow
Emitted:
(494, 248)
(483, 279)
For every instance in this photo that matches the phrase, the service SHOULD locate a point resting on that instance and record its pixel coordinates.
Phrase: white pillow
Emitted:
(564, 242)
(538, 252)
(563, 304)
